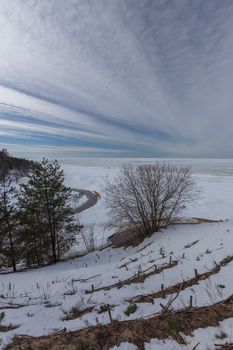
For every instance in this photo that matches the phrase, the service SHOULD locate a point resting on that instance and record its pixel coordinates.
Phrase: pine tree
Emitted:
(8, 221)
(48, 220)
(32, 229)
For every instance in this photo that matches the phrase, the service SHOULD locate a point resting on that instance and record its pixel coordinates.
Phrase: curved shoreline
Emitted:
(92, 199)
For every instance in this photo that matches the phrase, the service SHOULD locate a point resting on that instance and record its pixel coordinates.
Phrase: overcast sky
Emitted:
(116, 78)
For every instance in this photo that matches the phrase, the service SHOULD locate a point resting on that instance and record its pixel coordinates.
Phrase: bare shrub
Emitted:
(147, 197)
(88, 237)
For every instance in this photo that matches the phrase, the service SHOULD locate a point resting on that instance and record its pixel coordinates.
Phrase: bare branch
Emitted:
(147, 197)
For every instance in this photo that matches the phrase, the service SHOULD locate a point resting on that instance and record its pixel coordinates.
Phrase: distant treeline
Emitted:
(19, 166)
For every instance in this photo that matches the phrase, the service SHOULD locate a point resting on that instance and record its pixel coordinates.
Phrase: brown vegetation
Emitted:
(128, 237)
(139, 277)
(182, 285)
(135, 331)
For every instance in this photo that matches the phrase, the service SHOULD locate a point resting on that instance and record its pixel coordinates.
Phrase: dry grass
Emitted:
(227, 346)
(135, 331)
(76, 312)
(182, 285)
(139, 278)
(7, 328)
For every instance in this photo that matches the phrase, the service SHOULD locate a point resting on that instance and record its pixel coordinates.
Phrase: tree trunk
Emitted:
(12, 251)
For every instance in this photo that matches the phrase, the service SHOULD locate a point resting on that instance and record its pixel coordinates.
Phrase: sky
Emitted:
(116, 78)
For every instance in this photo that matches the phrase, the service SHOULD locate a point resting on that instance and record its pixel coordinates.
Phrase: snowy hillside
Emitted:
(184, 267)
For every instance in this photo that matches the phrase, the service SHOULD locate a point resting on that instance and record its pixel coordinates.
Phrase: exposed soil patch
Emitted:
(227, 346)
(136, 331)
(75, 312)
(189, 245)
(129, 237)
(15, 306)
(7, 328)
(182, 285)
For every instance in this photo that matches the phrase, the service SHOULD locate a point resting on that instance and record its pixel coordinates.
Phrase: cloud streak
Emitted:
(145, 78)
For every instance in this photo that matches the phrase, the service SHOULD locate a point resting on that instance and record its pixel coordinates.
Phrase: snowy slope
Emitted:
(41, 301)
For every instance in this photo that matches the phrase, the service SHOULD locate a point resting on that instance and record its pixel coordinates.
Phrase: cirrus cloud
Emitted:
(124, 78)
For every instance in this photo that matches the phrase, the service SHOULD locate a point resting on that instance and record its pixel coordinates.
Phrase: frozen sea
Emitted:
(199, 166)
(214, 179)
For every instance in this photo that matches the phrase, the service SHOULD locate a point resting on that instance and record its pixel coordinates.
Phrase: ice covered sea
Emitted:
(221, 167)
(214, 178)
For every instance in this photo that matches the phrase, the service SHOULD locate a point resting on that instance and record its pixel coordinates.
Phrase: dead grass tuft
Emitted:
(135, 331)
(182, 285)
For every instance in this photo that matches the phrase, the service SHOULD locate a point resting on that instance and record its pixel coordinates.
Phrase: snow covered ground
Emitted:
(41, 301)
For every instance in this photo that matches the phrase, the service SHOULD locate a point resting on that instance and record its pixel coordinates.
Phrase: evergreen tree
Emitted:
(47, 218)
(8, 221)
(32, 229)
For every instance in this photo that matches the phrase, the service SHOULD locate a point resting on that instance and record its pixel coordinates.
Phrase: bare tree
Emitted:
(146, 197)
